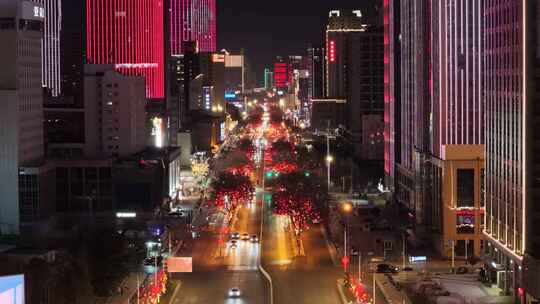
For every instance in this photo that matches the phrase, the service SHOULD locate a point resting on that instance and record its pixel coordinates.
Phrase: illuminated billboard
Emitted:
(234, 61)
(12, 289)
(179, 264)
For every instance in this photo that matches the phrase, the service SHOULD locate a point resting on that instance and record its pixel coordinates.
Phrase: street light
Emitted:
(347, 208)
(329, 160)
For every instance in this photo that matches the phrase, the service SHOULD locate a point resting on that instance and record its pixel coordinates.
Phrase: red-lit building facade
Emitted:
(282, 73)
(392, 105)
(192, 20)
(130, 35)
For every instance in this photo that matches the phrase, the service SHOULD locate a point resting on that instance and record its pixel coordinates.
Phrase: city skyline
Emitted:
(390, 157)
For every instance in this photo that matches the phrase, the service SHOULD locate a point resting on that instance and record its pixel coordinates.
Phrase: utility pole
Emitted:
(374, 290)
(403, 266)
(138, 289)
(453, 256)
(359, 266)
(170, 243)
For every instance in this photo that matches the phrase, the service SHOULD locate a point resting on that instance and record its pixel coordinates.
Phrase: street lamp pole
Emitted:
(138, 289)
(345, 240)
(347, 208)
(359, 266)
(328, 160)
(403, 266)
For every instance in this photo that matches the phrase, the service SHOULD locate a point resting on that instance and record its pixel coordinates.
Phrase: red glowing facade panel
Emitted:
(192, 20)
(332, 51)
(388, 157)
(281, 75)
(130, 35)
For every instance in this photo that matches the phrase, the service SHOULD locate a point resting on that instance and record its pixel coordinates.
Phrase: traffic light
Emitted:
(268, 197)
(269, 174)
(307, 174)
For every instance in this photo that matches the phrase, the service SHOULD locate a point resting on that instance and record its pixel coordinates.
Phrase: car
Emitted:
(244, 237)
(234, 244)
(176, 214)
(235, 236)
(387, 268)
(254, 238)
(234, 292)
(152, 261)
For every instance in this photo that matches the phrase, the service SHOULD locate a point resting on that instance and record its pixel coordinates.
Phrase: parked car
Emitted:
(387, 268)
(151, 261)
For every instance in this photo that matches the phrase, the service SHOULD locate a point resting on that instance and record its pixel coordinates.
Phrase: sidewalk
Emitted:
(129, 288)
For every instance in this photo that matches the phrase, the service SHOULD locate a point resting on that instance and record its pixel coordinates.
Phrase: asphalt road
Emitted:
(299, 279)
(216, 270)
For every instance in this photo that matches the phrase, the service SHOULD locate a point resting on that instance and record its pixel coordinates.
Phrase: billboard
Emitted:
(234, 61)
(12, 289)
(179, 264)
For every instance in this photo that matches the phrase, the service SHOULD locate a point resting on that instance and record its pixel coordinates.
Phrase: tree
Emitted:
(230, 190)
(295, 196)
(282, 150)
(246, 145)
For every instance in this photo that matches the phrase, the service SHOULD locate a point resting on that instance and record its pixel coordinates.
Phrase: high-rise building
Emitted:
(315, 66)
(392, 103)
(50, 64)
(184, 68)
(21, 138)
(268, 79)
(129, 35)
(114, 113)
(192, 20)
(20, 59)
(512, 108)
(282, 73)
(355, 72)
(439, 176)
(9, 169)
(454, 204)
(73, 51)
(414, 107)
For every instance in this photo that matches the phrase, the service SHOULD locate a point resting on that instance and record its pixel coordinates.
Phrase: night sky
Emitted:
(267, 28)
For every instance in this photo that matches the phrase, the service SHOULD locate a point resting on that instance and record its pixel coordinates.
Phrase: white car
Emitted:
(234, 292)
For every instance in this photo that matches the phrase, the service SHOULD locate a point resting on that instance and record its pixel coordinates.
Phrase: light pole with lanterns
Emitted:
(347, 208)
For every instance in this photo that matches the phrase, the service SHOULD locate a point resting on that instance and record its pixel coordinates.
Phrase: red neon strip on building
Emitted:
(128, 34)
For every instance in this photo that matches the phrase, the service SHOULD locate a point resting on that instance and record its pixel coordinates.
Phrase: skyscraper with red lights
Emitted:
(282, 71)
(392, 106)
(354, 71)
(130, 35)
(192, 20)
